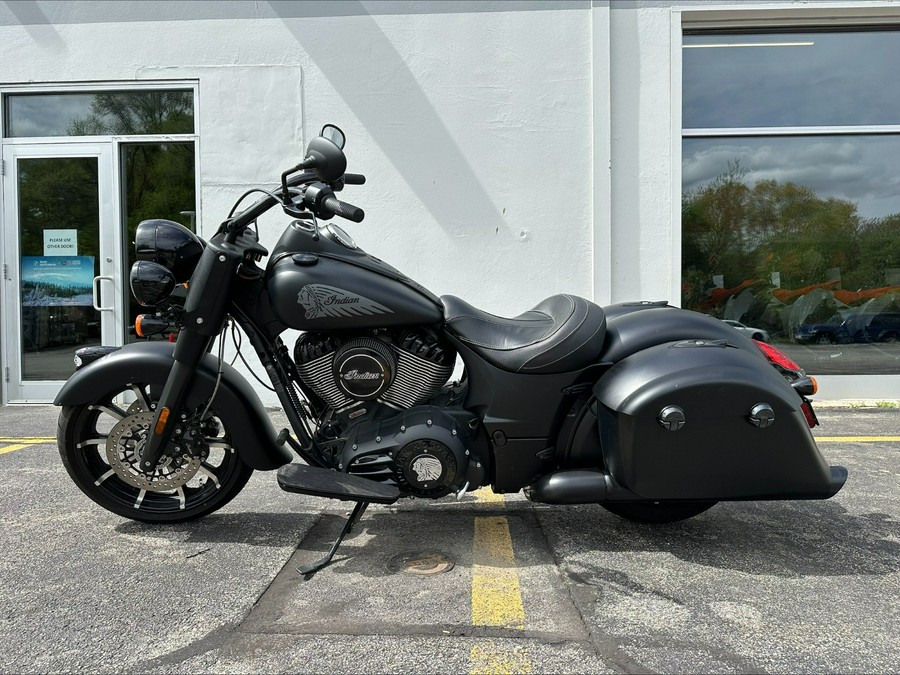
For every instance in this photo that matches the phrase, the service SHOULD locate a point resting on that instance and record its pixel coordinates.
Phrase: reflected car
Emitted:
(826, 333)
(749, 331)
(883, 327)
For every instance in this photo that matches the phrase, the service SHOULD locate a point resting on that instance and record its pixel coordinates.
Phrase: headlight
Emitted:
(151, 283)
(169, 244)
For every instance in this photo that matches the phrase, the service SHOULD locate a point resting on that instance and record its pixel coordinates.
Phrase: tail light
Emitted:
(778, 357)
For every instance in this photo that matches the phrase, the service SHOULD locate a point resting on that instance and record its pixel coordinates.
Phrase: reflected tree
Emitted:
(770, 235)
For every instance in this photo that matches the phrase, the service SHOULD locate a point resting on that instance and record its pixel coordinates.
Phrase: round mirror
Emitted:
(334, 134)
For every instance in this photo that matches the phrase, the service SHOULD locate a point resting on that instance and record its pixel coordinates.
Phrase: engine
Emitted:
(377, 386)
(404, 369)
(425, 451)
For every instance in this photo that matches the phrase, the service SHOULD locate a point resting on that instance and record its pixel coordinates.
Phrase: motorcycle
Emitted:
(654, 412)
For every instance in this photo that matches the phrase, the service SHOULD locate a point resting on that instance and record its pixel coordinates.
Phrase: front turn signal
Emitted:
(146, 325)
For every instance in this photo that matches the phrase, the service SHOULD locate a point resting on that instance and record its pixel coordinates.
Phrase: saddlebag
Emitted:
(701, 419)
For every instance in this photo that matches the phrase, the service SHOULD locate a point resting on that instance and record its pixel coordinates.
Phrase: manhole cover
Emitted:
(420, 563)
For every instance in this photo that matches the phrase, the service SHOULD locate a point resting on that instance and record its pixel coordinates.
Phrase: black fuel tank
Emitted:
(319, 280)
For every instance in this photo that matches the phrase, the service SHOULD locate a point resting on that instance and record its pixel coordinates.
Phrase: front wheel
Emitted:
(659, 511)
(100, 444)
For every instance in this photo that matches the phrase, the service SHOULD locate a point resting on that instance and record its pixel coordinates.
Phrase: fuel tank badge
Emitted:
(320, 301)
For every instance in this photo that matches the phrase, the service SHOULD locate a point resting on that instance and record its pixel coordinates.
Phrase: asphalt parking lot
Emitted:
(745, 587)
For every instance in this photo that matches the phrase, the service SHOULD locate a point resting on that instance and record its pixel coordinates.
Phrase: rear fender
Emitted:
(635, 327)
(252, 434)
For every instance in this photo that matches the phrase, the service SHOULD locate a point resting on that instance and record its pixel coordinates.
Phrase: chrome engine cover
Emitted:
(401, 371)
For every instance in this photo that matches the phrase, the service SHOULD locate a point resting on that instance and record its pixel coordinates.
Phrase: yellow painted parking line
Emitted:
(857, 439)
(27, 439)
(496, 597)
(16, 446)
(22, 442)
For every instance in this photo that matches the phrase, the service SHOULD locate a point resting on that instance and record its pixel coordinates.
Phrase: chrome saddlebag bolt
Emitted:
(762, 415)
(672, 418)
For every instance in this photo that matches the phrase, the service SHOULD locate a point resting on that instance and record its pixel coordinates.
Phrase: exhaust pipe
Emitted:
(577, 487)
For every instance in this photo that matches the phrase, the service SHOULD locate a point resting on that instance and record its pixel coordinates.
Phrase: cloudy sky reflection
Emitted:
(861, 169)
(840, 79)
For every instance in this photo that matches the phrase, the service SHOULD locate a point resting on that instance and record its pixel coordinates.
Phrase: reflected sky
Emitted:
(839, 79)
(38, 115)
(45, 115)
(861, 169)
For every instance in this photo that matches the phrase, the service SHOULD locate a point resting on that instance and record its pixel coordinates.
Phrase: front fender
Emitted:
(252, 434)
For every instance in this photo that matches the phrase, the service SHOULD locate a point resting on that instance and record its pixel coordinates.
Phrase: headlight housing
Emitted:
(151, 283)
(168, 244)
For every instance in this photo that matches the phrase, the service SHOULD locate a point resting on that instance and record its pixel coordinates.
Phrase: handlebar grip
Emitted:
(343, 209)
(354, 179)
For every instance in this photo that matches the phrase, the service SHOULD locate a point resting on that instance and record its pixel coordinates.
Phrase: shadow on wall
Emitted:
(39, 26)
(397, 115)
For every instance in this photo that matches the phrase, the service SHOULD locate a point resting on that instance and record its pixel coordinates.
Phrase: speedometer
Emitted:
(341, 236)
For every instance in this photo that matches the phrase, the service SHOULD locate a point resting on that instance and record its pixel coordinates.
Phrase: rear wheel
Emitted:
(100, 445)
(823, 339)
(659, 511)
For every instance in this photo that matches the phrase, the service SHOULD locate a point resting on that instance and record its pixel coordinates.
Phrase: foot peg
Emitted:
(311, 480)
(309, 570)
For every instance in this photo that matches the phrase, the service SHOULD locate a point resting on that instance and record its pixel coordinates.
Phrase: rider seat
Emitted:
(562, 334)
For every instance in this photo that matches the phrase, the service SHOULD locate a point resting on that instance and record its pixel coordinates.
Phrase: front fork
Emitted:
(205, 309)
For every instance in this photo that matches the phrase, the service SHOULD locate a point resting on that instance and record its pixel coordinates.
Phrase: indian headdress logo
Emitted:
(321, 301)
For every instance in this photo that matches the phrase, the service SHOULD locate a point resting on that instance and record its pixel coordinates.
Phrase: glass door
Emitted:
(63, 285)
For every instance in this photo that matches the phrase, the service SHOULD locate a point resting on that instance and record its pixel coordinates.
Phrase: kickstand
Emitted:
(309, 570)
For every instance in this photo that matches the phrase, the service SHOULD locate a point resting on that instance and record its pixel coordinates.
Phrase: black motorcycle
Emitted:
(654, 412)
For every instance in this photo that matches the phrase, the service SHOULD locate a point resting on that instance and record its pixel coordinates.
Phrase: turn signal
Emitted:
(146, 325)
(805, 386)
(161, 424)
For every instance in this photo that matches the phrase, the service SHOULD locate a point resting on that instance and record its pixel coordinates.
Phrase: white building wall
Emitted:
(513, 150)
(474, 128)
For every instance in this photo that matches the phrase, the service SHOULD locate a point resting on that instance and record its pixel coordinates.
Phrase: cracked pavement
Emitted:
(745, 587)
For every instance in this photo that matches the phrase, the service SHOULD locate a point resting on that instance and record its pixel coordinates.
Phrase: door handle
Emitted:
(95, 291)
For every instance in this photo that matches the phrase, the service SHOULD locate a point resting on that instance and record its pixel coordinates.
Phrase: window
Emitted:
(791, 191)
(102, 113)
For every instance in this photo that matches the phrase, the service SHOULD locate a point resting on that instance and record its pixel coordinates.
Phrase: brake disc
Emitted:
(124, 447)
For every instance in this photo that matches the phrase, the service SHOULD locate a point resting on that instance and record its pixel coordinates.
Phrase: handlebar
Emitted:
(235, 225)
(343, 209)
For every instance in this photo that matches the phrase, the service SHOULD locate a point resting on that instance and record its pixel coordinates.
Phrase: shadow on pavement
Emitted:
(785, 539)
(256, 529)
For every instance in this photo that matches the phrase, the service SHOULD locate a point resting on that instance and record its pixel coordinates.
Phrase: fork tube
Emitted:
(205, 308)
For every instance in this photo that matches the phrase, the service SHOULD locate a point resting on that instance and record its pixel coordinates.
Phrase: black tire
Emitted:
(758, 336)
(658, 512)
(221, 477)
(823, 339)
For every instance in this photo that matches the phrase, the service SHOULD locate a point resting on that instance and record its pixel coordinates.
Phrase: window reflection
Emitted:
(100, 113)
(799, 237)
(158, 182)
(799, 79)
(57, 195)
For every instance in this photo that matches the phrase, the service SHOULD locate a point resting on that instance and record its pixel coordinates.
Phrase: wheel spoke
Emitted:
(181, 498)
(104, 477)
(208, 471)
(218, 444)
(100, 440)
(141, 396)
(140, 498)
(111, 409)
